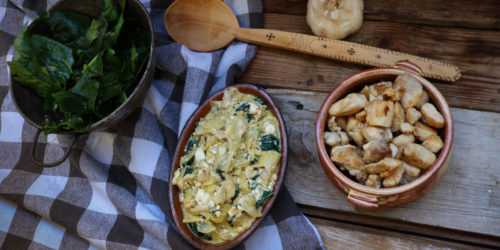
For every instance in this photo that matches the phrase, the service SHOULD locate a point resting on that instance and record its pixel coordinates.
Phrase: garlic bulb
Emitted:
(334, 18)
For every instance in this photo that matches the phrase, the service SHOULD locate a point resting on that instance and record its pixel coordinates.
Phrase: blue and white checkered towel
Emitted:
(112, 192)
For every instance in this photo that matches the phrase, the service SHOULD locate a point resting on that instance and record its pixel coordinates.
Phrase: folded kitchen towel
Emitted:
(112, 192)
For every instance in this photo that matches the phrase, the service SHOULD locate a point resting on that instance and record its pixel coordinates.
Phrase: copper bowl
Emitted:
(175, 205)
(368, 197)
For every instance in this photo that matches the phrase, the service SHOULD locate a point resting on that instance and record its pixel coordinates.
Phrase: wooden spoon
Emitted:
(206, 25)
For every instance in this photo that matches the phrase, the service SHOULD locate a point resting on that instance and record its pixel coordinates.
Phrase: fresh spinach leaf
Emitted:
(69, 102)
(55, 56)
(66, 26)
(77, 65)
(265, 196)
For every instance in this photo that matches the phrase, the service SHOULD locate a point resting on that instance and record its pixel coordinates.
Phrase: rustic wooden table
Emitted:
(463, 210)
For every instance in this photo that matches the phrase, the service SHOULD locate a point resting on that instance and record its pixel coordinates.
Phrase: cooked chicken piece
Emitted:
(424, 100)
(375, 150)
(372, 133)
(390, 163)
(418, 156)
(380, 113)
(348, 158)
(373, 180)
(373, 98)
(349, 105)
(432, 116)
(342, 122)
(411, 170)
(422, 131)
(381, 90)
(399, 117)
(365, 91)
(394, 150)
(332, 124)
(433, 143)
(376, 133)
(344, 139)
(354, 124)
(373, 168)
(409, 89)
(387, 164)
(403, 139)
(394, 178)
(361, 116)
(412, 115)
(399, 155)
(385, 174)
(387, 135)
(406, 128)
(357, 137)
(390, 94)
(332, 138)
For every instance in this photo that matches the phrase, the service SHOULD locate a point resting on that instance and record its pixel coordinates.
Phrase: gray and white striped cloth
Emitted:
(112, 192)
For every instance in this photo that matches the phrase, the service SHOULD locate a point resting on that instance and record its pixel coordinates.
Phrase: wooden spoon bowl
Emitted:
(186, 133)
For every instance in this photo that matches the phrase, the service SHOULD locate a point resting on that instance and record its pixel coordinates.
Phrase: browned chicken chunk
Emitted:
(422, 131)
(418, 156)
(432, 116)
(410, 89)
(375, 150)
(380, 113)
(350, 105)
(412, 115)
(433, 143)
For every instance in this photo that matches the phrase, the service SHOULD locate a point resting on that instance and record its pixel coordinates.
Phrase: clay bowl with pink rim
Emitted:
(175, 204)
(369, 197)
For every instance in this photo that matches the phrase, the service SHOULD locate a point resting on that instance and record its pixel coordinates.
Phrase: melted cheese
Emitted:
(226, 171)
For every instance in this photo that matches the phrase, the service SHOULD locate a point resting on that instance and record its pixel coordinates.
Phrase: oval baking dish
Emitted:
(189, 128)
(370, 197)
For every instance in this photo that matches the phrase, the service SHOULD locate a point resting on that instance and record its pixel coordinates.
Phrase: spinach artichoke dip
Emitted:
(229, 167)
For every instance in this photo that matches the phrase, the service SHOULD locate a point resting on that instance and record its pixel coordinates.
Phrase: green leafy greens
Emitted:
(194, 228)
(77, 64)
(270, 142)
(265, 196)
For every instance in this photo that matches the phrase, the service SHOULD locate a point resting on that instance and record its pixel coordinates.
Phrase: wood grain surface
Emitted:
(466, 199)
(476, 52)
(338, 235)
(482, 14)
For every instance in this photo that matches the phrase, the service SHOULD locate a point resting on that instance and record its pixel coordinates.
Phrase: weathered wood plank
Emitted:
(407, 227)
(464, 13)
(338, 235)
(466, 199)
(476, 52)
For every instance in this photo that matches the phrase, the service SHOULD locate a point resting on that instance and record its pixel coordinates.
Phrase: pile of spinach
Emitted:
(84, 68)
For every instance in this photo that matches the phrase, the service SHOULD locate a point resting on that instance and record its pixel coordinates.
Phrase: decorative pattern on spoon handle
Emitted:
(346, 51)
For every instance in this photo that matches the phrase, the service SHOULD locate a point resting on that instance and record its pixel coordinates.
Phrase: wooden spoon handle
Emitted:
(346, 51)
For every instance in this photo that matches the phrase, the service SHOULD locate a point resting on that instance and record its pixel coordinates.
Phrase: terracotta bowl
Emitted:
(368, 197)
(186, 133)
